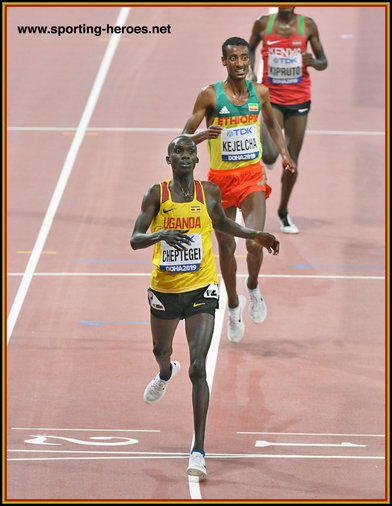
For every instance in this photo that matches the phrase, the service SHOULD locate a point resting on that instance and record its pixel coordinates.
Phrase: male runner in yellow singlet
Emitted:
(181, 213)
(232, 110)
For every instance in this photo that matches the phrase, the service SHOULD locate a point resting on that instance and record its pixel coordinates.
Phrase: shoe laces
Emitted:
(197, 458)
(234, 317)
(158, 385)
(255, 297)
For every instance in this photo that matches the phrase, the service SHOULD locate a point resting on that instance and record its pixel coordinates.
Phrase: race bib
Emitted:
(284, 66)
(240, 143)
(187, 260)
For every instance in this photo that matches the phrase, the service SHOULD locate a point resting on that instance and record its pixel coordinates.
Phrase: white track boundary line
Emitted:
(152, 129)
(313, 434)
(217, 456)
(105, 452)
(148, 274)
(64, 175)
(87, 430)
(212, 357)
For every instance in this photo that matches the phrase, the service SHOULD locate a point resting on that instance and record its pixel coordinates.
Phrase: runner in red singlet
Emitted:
(285, 71)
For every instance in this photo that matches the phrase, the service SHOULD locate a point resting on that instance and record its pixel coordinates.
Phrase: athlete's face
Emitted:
(237, 61)
(183, 156)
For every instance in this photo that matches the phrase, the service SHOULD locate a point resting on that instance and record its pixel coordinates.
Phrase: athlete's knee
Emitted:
(270, 152)
(162, 351)
(197, 369)
(269, 157)
(254, 249)
(227, 249)
(294, 151)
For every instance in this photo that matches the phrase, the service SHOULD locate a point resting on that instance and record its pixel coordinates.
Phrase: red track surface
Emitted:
(312, 374)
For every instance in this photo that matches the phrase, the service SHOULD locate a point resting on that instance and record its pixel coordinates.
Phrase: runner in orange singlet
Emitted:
(285, 72)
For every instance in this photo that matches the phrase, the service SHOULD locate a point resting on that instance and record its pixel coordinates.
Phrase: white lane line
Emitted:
(87, 430)
(313, 434)
(127, 457)
(210, 455)
(158, 430)
(344, 132)
(64, 175)
(177, 454)
(212, 357)
(193, 481)
(157, 129)
(148, 274)
(263, 444)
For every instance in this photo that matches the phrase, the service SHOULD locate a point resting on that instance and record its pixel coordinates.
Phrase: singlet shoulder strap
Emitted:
(219, 91)
(270, 24)
(199, 192)
(164, 192)
(301, 26)
(252, 91)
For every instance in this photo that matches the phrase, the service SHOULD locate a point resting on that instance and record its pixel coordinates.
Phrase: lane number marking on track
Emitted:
(103, 440)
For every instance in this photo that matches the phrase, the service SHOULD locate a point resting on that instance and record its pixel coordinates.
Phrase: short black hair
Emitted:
(177, 139)
(234, 41)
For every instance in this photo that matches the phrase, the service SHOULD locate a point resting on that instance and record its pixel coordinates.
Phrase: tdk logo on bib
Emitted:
(239, 131)
(239, 143)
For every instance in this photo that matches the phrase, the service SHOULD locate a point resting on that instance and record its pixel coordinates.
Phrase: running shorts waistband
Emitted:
(255, 167)
(237, 184)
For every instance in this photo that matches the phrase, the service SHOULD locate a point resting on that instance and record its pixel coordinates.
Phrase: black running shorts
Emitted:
(171, 306)
(293, 109)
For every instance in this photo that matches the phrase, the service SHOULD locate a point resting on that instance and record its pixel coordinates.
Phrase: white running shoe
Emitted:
(257, 306)
(235, 324)
(197, 465)
(287, 226)
(156, 389)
